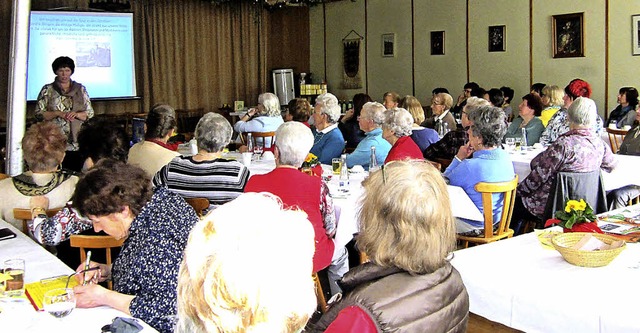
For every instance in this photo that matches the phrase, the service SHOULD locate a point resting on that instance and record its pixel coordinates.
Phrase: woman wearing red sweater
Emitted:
(397, 130)
(309, 193)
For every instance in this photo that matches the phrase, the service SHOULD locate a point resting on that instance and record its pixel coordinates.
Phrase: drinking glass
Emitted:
(518, 143)
(59, 302)
(15, 268)
(258, 149)
(511, 142)
(336, 164)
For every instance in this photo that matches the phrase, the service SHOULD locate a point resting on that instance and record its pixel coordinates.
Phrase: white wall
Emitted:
(490, 69)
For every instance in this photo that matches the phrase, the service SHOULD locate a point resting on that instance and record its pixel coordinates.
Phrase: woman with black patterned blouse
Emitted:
(119, 199)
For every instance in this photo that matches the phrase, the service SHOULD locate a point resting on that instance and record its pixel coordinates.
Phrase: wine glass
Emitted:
(59, 302)
(257, 149)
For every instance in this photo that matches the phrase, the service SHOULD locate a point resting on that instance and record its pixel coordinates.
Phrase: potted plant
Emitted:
(577, 216)
(311, 166)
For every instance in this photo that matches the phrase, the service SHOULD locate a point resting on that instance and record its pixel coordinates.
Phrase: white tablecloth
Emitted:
(20, 316)
(520, 284)
(624, 174)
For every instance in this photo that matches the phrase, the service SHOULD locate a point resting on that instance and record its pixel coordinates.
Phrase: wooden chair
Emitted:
(266, 137)
(198, 204)
(616, 136)
(444, 163)
(4, 176)
(95, 242)
(322, 302)
(24, 214)
(364, 258)
(508, 189)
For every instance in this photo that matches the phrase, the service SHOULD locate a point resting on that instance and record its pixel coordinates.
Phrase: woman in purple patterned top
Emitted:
(578, 150)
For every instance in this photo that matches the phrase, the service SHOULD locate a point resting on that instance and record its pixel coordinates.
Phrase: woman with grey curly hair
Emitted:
(328, 142)
(397, 129)
(489, 163)
(206, 174)
(153, 153)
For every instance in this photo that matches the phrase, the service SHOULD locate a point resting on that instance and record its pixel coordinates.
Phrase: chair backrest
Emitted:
(198, 204)
(322, 302)
(267, 139)
(4, 176)
(95, 242)
(616, 136)
(575, 186)
(444, 163)
(508, 190)
(24, 214)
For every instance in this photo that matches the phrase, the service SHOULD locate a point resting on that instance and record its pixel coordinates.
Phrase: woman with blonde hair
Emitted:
(422, 136)
(551, 101)
(409, 284)
(217, 294)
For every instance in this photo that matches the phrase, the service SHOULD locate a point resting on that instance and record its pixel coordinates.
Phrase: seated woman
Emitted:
(266, 117)
(490, 163)
(448, 146)
(630, 146)
(408, 246)
(43, 146)
(298, 110)
(98, 139)
(370, 121)
(578, 150)
(153, 153)
(397, 130)
(530, 109)
(551, 101)
(558, 124)
(216, 294)
(206, 174)
(349, 124)
(625, 113)
(422, 136)
(328, 142)
(155, 226)
(440, 105)
(309, 193)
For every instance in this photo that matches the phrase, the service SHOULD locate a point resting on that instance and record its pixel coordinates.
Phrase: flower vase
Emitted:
(585, 227)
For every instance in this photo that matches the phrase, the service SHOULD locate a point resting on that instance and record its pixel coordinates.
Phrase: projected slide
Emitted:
(101, 44)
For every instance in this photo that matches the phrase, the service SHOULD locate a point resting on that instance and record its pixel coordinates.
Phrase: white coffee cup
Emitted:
(246, 158)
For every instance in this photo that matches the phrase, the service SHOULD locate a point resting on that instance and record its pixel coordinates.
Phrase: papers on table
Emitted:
(622, 221)
(462, 206)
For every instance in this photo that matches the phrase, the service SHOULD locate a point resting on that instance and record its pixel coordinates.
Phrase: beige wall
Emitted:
(489, 69)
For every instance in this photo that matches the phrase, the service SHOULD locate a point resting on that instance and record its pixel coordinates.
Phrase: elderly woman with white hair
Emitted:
(370, 122)
(206, 174)
(578, 150)
(328, 142)
(309, 193)
(265, 117)
(217, 294)
(397, 129)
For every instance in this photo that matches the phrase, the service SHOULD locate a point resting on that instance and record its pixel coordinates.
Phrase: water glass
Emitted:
(518, 143)
(336, 164)
(15, 268)
(59, 302)
(511, 142)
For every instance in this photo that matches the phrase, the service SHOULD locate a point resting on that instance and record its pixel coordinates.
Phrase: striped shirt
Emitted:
(219, 181)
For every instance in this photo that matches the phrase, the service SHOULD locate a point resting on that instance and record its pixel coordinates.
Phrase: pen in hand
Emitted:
(86, 267)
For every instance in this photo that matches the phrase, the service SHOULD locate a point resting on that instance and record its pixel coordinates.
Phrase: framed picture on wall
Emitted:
(568, 35)
(635, 32)
(389, 45)
(497, 38)
(437, 42)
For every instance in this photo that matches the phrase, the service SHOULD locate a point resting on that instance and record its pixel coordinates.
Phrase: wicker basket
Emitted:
(563, 243)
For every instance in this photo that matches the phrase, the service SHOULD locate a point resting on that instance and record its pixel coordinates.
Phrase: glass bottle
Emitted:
(344, 175)
(249, 143)
(524, 137)
(373, 161)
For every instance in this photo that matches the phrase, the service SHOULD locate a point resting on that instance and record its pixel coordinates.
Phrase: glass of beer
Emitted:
(336, 164)
(15, 269)
(518, 143)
